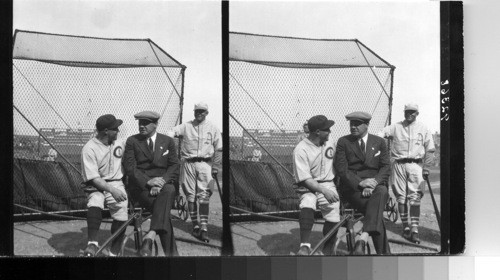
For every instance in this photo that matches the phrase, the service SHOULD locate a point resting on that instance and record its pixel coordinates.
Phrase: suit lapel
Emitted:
(159, 147)
(369, 148)
(143, 144)
(356, 149)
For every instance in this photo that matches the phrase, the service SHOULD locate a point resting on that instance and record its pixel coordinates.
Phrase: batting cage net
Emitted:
(62, 84)
(276, 85)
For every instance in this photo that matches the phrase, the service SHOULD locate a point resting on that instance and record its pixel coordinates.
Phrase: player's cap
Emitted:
(201, 106)
(107, 121)
(411, 107)
(147, 115)
(319, 122)
(359, 116)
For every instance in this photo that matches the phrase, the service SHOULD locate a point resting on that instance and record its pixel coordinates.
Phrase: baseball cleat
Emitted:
(406, 233)
(414, 237)
(91, 250)
(196, 233)
(204, 237)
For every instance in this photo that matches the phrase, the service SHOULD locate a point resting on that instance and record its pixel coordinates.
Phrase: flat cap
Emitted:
(359, 116)
(411, 107)
(201, 106)
(147, 115)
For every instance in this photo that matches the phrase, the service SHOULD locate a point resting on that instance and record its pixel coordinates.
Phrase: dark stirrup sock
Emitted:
(193, 213)
(204, 208)
(403, 213)
(94, 218)
(306, 221)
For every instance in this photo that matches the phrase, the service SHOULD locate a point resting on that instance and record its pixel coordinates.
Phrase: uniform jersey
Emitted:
(313, 162)
(198, 141)
(409, 141)
(102, 161)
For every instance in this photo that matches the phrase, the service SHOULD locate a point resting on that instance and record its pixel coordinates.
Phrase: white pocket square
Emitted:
(165, 153)
(378, 153)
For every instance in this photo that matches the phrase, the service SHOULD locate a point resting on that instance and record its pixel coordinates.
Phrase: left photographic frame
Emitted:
(156, 61)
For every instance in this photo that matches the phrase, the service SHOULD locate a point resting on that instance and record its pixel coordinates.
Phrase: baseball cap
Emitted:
(411, 107)
(359, 116)
(201, 106)
(147, 115)
(319, 122)
(107, 121)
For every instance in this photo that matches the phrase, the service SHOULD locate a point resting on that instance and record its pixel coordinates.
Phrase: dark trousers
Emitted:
(373, 209)
(160, 207)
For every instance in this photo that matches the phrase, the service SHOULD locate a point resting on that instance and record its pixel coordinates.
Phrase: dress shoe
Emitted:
(359, 248)
(147, 248)
(91, 250)
(304, 251)
(414, 237)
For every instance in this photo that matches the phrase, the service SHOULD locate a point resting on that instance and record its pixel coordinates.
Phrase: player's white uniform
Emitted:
(313, 162)
(199, 143)
(411, 146)
(101, 161)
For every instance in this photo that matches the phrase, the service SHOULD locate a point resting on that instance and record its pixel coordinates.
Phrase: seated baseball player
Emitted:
(314, 173)
(102, 175)
(151, 164)
(362, 163)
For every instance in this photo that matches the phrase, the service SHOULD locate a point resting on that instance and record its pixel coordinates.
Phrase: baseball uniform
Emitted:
(313, 162)
(199, 143)
(105, 161)
(412, 145)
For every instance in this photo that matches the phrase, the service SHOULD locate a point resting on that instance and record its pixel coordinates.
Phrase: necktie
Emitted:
(362, 145)
(150, 144)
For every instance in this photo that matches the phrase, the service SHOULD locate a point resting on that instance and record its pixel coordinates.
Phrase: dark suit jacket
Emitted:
(352, 166)
(141, 165)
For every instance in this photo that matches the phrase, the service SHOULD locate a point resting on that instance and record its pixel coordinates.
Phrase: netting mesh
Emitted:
(62, 84)
(277, 84)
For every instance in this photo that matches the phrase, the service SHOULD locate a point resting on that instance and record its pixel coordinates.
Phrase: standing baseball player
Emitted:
(102, 174)
(412, 152)
(313, 171)
(201, 150)
(151, 164)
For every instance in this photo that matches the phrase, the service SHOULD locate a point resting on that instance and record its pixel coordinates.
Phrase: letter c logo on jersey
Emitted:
(118, 152)
(329, 153)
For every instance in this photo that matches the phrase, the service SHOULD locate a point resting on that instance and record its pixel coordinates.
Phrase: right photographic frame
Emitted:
(335, 128)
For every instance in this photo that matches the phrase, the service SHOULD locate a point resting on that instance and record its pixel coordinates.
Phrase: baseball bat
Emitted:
(214, 175)
(436, 210)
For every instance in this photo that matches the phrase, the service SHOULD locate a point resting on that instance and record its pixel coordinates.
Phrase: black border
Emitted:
(6, 189)
(452, 131)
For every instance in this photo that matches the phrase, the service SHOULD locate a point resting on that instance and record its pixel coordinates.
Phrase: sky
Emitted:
(188, 31)
(404, 34)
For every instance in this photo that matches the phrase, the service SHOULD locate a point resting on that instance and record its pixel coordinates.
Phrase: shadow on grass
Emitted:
(285, 243)
(426, 235)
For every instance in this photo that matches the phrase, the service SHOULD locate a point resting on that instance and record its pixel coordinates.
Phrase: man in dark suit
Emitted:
(362, 163)
(151, 164)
